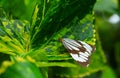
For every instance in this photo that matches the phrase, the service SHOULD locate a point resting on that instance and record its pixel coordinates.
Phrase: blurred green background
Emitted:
(30, 31)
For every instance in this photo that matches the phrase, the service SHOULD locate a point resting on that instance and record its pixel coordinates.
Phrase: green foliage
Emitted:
(109, 7)
(21, 9)
(22, 70)
(108, 72)
(14, 37)
(109, 35)
(31, 29)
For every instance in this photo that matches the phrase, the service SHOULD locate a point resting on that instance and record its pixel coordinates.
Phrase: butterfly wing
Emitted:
(79, 50)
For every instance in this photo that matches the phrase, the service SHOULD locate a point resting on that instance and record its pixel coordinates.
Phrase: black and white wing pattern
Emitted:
(79, 50)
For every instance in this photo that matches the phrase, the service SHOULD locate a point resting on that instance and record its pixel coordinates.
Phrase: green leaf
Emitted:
(39, 39)
(109, 7)
(53, 16)
(108, 73)
(22, 70)
(14, 37)
(51, 64)
(58, 57)
(78, 28)
(83, 30)
(117, 54)
(22, 9)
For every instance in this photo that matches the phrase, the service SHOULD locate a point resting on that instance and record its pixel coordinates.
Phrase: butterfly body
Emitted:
(79, 50)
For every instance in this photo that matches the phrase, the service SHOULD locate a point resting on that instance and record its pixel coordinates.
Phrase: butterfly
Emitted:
(79, 50)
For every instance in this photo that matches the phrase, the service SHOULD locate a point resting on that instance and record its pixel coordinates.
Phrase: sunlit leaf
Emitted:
(22, 70)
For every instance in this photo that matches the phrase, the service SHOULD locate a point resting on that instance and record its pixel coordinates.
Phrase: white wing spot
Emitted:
(75, 57)
(87, 65)
(71, 46)
(67, 46)
(83, 57)
(74, 48)
(84, 54)
(87, 53)
(88, 47)
(72, 42)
